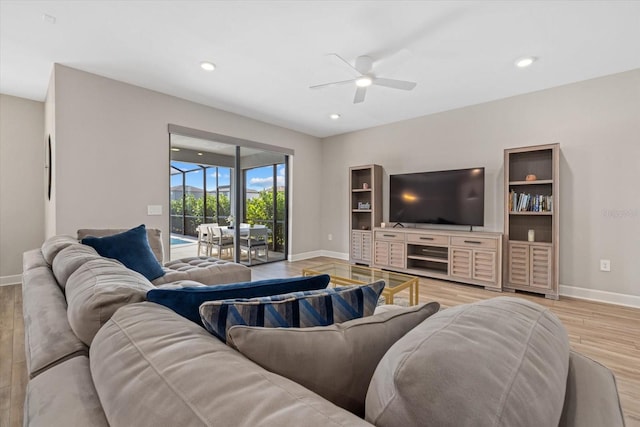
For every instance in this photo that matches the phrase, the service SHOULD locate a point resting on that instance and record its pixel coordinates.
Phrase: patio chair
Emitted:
(221, 242)
(255, 242)
(204, 238)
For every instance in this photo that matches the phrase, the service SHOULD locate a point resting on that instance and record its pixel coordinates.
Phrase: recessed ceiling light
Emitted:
(525, 62)
(175, 149)
(200, 154)
(334, 116)
(48, 18)
(364, 81)
(207, 66)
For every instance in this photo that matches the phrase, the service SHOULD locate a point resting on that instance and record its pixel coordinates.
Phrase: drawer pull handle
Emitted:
(426, 238)
(473, 241)
(389, 235)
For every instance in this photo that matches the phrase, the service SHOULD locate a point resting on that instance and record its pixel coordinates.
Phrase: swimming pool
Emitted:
(179, 241)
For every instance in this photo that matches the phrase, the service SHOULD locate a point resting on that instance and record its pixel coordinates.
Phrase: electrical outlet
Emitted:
(605, 265)
(330, 236)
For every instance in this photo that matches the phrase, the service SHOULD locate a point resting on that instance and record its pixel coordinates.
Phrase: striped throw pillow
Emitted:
(295, 310)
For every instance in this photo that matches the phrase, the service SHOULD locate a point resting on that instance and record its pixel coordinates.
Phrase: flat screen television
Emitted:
(453, 197)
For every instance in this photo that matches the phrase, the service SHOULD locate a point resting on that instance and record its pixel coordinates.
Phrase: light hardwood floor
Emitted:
(607, 333)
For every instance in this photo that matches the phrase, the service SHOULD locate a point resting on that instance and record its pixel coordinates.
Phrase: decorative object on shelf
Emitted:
(530, 177)
(365, 186)
(531, 236)
(365, 227)
(383, 225)
(364, 205)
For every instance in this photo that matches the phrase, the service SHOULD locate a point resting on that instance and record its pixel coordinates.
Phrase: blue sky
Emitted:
(258, 178)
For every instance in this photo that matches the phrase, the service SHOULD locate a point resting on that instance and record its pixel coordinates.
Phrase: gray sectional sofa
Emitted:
(99, 355)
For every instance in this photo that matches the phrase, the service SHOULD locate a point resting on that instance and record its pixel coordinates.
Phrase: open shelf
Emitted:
(530, 213)
(428, 253)
(426, 258)
(428, 266)
(536, 182)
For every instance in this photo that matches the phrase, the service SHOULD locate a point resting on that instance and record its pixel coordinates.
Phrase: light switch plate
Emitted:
(154, 210)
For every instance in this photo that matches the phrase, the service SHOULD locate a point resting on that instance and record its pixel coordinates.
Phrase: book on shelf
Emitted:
(525, 202)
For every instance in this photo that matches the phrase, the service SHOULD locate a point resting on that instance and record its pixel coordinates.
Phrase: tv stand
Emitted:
(473, 257)
(397, 224)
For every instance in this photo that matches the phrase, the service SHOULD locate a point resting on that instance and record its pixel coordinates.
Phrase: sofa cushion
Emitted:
(499, 362)
(154, 236)
(130, 248)
(96, 290)
(55, 244)
(187, 301)
(63, 397)
(69, 260)
(189, 378)
(48, 337)
(298, 309)
(352, 349)
(206, 270)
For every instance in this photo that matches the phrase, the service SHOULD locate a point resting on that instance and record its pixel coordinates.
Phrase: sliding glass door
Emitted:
(264, 202)
(240, 191)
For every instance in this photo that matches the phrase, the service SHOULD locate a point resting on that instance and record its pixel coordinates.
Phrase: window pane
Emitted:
(194, 201)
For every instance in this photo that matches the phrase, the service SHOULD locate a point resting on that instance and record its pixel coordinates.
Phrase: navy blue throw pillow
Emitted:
(130, 248)
(186, 301)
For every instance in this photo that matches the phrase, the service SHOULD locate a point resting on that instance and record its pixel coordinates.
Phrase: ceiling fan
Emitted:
(365, 78)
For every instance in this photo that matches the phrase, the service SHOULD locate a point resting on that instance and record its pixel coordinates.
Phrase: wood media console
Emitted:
(468, 257)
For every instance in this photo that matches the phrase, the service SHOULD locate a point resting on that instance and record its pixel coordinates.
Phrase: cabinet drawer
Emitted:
(474, 242)
(389, 235)
(428, 239)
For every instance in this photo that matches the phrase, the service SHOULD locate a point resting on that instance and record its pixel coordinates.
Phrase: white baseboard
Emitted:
(314, 254)
(600, 296)
(338, 255)
(10, 280)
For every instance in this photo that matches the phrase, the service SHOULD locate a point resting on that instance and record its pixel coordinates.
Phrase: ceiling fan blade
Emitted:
(360, 93)
(343, 82)
(395, 84)
(357, 73)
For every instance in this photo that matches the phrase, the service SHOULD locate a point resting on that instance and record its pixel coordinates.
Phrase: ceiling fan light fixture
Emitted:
(207, 66)
(334, 116)
(364, 81)
(525, 61)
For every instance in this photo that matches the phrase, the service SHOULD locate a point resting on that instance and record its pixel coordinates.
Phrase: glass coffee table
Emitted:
(349, 274)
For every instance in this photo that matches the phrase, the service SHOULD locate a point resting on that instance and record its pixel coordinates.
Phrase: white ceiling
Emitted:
(268, 53)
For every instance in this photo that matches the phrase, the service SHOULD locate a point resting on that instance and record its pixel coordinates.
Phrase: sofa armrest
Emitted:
(591, 398)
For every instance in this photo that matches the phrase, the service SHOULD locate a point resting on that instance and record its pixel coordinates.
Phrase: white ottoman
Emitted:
(205, 270)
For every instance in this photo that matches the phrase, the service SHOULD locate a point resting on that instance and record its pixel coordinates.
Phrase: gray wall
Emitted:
(21, 182)
(50, 132)
(112, 155)
(596, 122)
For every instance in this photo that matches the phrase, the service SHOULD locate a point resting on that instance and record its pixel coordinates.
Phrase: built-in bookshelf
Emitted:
(531, 223)
(365, 210)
